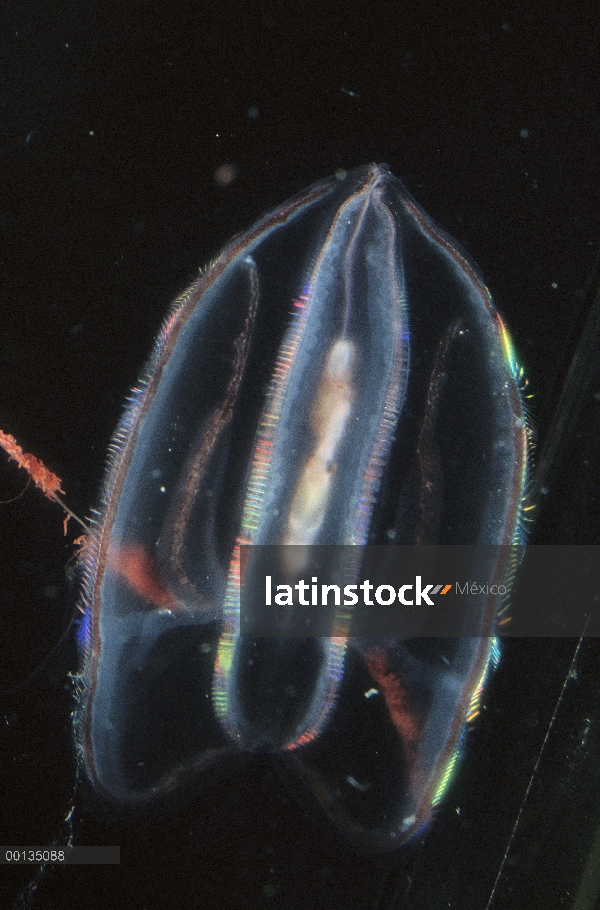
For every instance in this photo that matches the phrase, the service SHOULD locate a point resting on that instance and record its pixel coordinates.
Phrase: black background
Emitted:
(114, 119)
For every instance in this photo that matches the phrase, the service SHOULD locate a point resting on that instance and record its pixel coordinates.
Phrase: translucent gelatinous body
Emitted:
(338, 375)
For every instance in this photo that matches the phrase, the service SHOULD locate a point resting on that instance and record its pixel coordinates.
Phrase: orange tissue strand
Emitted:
(397, 702)
(43, 478)
(135, 566)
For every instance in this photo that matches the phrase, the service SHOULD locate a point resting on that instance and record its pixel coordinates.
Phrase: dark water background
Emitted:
(114, 118)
